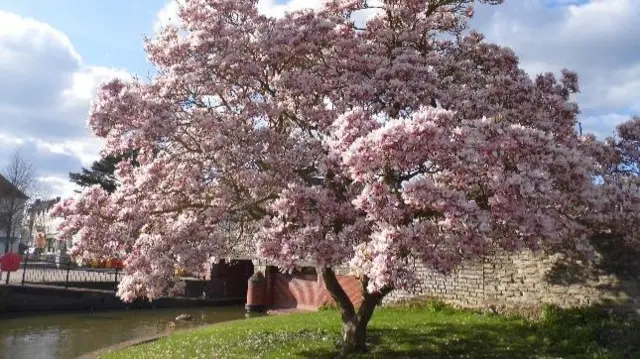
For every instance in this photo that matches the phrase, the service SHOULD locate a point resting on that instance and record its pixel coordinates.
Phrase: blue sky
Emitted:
(54, 53)
(105, 33)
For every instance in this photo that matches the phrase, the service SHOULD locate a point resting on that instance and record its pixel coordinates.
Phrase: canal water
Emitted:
(69, 335)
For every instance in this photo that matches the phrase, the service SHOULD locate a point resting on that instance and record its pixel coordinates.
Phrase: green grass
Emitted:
(425, 331)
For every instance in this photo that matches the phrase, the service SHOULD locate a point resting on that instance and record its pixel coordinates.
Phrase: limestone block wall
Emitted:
(528, 280)
(464, 287)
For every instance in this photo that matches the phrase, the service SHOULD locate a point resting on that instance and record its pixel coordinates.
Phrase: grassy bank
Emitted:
(425, 331)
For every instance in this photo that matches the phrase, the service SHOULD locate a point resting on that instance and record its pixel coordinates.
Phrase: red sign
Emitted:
(10, 262)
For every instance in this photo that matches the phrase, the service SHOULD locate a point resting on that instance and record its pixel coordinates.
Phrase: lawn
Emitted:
(425, 331)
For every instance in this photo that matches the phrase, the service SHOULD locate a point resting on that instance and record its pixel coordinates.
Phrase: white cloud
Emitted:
(85, 82)
(601, 18)
(597, 39)
(167, 15)
(626, 91)
(8, 140)
(14, 29)
(270, 8)
(54, 186)
(45, 91)
(85, 149)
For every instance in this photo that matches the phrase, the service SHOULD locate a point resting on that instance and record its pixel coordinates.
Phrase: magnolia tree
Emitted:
(371, 146)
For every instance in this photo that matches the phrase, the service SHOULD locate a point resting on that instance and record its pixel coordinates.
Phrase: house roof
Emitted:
(45, 205)
(8, 189)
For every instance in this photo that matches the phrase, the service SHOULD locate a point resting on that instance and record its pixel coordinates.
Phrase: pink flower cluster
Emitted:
(446, 194)
(307, 139)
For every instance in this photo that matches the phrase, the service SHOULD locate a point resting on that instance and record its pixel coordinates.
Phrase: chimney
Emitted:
(57, 199)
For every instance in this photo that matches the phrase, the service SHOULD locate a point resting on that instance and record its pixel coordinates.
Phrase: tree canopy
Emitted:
(407, 139)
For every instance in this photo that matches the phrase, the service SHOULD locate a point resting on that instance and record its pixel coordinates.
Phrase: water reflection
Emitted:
(57, 336)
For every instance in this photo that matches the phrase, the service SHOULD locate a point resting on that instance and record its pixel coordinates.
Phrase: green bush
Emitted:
(328, 306)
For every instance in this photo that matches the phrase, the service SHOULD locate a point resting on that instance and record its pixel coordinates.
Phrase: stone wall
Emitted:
(505, 281)
(529, 280)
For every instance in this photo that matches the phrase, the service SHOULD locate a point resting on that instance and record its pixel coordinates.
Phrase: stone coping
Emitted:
(130, 343)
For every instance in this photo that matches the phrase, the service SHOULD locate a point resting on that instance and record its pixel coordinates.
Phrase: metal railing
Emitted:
(61, 270)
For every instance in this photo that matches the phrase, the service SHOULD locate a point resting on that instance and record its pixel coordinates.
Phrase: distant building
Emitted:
(12, 205)
(41, 228)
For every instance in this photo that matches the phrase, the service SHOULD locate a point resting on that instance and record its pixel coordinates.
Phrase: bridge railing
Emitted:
(61, 270)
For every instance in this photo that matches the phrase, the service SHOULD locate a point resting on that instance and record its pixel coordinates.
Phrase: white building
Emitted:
(41, 228)
(12, 207)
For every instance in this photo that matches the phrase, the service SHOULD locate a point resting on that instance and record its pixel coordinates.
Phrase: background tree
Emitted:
(19, 177)
(371, 147)
(101, 172)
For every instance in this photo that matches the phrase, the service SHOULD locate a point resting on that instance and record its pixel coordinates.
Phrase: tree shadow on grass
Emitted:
(442, 341)
(550, 339)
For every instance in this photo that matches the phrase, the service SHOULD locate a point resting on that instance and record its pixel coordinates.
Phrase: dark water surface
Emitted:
(69, 335)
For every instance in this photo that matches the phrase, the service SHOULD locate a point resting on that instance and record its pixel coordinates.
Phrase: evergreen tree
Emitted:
(101, 172)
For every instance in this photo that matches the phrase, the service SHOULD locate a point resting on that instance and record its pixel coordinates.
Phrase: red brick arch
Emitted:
(302, 290)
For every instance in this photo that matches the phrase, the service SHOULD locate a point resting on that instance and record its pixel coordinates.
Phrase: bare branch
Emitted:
(17, 182)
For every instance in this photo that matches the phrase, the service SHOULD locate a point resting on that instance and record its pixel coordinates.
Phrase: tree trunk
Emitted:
(7, 247)
(354, 337)
(354, 332)
(354, 323)
(8, 232)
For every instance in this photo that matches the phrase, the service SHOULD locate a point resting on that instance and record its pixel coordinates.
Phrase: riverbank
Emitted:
(407, 332)
(138, 341)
